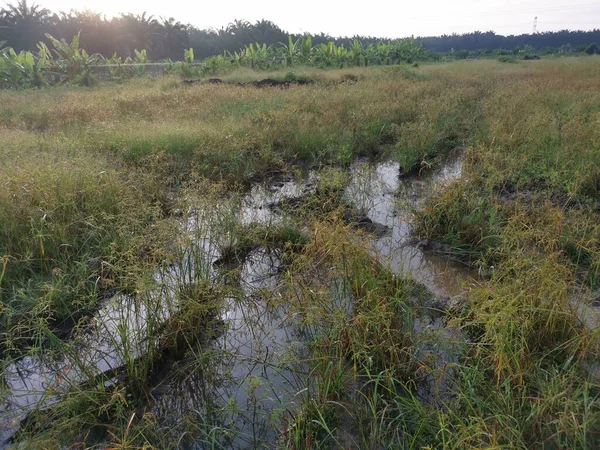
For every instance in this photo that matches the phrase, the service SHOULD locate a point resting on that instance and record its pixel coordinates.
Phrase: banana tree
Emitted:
(257, 55)
(329, 54)
(188, 56)
(72, 61)
(371, 55)
(115, 67)
(140, 58)
(217, 64)
(44, 63)
(171, 66)
(356, 52)
(237, 58)
(185, 67)
(323, 54)
(120, 68)
(21, 70)
(383, 51)
(15, 68)
(412, 50)
(306, 49)
(290, 51)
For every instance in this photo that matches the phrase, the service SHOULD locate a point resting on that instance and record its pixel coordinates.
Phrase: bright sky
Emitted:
(383, 18)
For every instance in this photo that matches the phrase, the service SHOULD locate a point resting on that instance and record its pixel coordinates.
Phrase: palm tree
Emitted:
(23, 26)
(265, 31)
(98, 35)
(137, 32)
(174, 39)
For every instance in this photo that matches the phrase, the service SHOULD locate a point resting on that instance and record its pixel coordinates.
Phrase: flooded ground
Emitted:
(251, 381)
(386, 198)
(253, 375)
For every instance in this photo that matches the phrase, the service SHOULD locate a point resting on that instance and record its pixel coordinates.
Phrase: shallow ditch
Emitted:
(253, 373)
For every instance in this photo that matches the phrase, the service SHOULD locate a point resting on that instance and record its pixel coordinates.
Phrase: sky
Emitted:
(382, 18)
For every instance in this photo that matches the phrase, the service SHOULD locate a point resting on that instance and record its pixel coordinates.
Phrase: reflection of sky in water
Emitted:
(36, 382)
(257, 206)
(251, 356)
(119, 326)
(384, 197)
(248, 365)
(438, 348)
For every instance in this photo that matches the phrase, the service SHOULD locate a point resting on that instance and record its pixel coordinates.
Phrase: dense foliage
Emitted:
(478, 41)
(70, 63)
(67, 62)
(22, 26)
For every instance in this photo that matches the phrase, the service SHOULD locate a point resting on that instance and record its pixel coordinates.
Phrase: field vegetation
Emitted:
(62, 61)
(137, 191)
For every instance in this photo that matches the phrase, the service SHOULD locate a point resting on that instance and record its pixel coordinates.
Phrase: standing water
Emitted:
(246, 382)
(384, 197)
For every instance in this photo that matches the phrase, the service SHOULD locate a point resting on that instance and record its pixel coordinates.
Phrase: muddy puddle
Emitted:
(387, 199)
(247, 382)
(237, 389)
(118, 332)
(382, 195)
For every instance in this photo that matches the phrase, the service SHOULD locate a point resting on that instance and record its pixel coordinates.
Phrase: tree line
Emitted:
(24, 25)
(479, 41)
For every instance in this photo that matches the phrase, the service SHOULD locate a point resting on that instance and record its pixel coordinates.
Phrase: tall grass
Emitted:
(100, 188)
(71, 224)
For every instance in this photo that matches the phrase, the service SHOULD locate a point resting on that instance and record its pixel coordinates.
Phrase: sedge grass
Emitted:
(91, 177)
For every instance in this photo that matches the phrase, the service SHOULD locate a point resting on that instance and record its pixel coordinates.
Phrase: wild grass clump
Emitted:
(222, 131)
(525, 212)
(358, 321)
(71, 225)
(507, 59)
(286, 237)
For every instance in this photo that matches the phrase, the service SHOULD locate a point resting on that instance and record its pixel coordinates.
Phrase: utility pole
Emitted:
(534, 25)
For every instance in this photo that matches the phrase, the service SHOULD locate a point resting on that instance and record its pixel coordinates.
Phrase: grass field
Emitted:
(103, 188)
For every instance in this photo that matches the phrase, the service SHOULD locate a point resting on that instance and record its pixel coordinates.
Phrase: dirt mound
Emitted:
(270, 82)
(266, 82)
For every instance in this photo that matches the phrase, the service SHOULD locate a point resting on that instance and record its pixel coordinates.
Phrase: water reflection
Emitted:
(258, 205)
(384, 197)
(258, 360)
(121, 331)
(234, 389)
